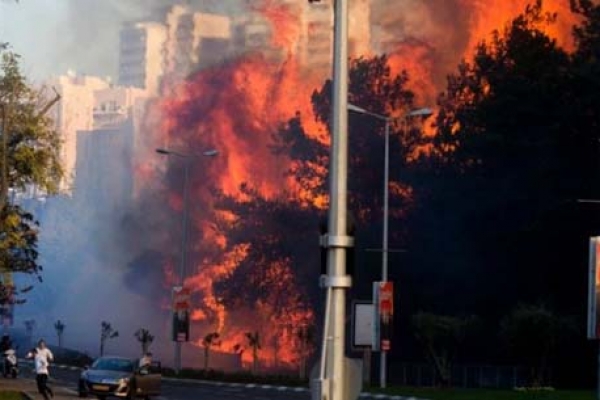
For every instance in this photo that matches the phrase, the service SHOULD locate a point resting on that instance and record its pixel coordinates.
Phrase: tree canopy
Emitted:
(29, 159)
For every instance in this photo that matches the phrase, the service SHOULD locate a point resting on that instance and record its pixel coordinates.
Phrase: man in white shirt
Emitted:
(42, 357)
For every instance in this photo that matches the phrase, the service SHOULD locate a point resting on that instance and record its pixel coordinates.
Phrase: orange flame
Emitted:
(238, 107)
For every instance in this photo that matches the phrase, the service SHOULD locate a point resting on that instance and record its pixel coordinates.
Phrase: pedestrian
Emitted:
(146, 360)
(42, 357)
(45, 351)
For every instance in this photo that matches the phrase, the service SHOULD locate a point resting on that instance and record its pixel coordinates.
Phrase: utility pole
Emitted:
(332, 383)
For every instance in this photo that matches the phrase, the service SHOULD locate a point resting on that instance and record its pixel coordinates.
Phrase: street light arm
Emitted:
(207, 153)
(360, 110)
(420, 112)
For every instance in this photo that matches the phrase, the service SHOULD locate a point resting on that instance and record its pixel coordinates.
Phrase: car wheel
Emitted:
(81, 390)
(131, 392)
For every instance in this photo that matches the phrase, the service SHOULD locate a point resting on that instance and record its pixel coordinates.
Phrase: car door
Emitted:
(148, 380)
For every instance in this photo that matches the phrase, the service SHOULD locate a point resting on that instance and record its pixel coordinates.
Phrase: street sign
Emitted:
(363, 313)
(181, 298)
(181, 314)
(383, 299)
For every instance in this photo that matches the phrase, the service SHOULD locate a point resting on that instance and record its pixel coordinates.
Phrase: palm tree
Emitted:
(305, 335)
(145, 338)
(254, 343)
(29, 327)
(106, 332)
(60, 328)
(209, 340)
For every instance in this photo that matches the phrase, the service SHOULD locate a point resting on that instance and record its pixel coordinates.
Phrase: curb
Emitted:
(362, 395)
(285, 388)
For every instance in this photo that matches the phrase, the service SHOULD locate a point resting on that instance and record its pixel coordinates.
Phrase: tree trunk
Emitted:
(206, 351)
(254, 359)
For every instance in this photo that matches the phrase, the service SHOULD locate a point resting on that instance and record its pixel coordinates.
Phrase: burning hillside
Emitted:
(238, 107)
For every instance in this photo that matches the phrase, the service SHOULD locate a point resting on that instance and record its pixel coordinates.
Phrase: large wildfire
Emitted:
(238, 106)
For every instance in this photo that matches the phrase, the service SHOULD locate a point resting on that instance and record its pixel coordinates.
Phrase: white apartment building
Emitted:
(195, 40)
(73, 113)
(141, 55)
(315, 41)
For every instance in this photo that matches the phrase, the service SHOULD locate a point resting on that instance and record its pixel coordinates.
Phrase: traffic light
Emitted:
(350, 251)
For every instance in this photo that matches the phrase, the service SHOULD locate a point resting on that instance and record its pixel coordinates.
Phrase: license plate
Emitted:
(100, 387)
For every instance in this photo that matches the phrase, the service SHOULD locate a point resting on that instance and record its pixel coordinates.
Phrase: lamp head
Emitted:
(211, 153)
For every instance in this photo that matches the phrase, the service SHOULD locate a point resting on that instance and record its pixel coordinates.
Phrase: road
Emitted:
(185, 390)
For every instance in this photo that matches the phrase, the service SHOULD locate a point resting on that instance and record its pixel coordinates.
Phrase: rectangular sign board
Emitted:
(593, 327)
(363, 315)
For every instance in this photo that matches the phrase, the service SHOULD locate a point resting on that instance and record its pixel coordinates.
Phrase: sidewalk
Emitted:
(29, 388)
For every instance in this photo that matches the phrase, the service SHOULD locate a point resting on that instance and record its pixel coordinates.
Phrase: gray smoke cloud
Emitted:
(82, 35)
(93, 27)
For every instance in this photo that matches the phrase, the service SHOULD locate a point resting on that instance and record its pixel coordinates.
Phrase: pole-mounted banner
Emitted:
(383, 299)
(594, 289)
(181, 314)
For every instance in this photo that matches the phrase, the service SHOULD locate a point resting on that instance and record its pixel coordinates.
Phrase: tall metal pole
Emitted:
(598, 373)
(182, 267)
(337, 280)
(384, 246)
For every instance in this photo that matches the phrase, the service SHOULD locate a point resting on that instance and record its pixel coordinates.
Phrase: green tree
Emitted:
(106, 332)
(29, 157)
(532, 333)
(59, 327)
(441, 337)
(209, 341)
(510, 148)
(145, 338)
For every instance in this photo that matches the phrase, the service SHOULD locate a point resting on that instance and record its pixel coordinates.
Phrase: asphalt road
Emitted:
(184, 390)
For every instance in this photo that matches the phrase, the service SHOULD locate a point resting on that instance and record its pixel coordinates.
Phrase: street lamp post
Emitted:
(421, 112)
(182, 267)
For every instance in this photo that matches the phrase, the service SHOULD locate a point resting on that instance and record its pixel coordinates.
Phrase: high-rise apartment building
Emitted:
(316, 37)
(141, 55)
(73, 113)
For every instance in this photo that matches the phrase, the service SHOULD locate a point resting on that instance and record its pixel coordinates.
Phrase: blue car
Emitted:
(120, 377)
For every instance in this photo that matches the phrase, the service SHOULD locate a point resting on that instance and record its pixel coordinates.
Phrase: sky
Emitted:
(54, 36)
(34, 29)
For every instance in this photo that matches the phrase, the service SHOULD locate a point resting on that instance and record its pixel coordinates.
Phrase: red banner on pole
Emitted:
(181, 314)
(383, 298)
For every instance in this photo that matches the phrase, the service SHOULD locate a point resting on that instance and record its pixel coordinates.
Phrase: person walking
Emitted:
(42, 357)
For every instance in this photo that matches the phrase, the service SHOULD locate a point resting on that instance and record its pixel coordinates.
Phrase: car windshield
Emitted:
(113, 364)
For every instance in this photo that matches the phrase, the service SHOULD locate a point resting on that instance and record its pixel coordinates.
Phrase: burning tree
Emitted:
(254, 344)
(280, 255)
(210, 340)
(255, 265)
